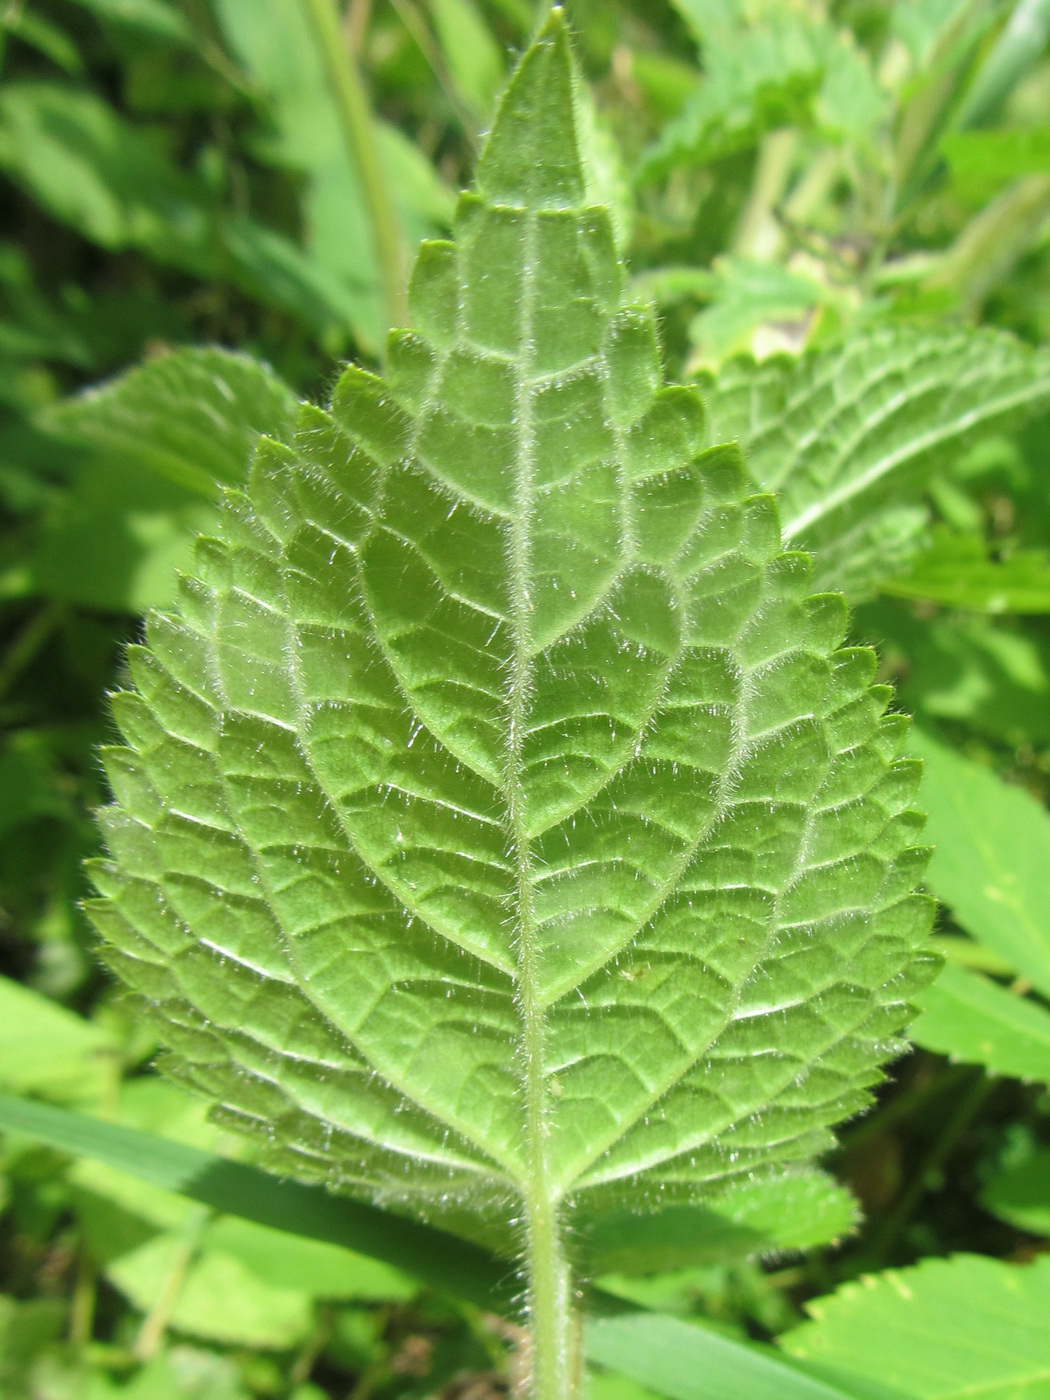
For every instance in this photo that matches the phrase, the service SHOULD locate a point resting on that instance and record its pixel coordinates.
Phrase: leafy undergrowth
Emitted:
(840, 216)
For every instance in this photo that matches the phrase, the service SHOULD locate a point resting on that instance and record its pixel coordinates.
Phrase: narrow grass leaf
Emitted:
(448, 1264)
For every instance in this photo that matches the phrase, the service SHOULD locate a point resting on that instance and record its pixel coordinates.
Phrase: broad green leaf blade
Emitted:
(991, 857)
(688, 1362)
(848, 436)
(499, 817)
(232, 1188)
(1020, 1193)
(948, 1329)
(192, 416)
(969, 1018)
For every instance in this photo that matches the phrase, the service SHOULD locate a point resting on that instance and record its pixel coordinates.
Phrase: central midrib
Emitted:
(537, 1186)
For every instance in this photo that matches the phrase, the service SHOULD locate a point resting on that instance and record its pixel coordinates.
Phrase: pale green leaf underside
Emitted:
(848, 436)
(498, 744)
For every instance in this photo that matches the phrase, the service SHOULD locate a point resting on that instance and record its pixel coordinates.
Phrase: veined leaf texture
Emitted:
(848, 436)
(499, 805)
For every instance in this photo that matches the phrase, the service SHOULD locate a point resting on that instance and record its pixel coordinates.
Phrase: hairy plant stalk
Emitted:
(555, 1369)
(359, 133)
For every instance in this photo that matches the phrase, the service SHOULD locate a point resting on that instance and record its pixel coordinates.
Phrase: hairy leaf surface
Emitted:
(848, 436)
(498, 811)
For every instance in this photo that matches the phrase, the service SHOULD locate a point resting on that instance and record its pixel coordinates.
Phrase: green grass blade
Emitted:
(688, 1362)
(437, 1258)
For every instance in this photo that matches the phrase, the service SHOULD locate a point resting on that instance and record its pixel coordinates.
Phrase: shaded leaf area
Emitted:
(101, 175)
(502, 839)
(140, 1170)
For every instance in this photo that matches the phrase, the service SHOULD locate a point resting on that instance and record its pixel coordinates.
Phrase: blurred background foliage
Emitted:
(849, 178)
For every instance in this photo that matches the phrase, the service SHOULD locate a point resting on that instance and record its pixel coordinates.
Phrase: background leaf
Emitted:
(47, 1050)
(1020, 1193)
(237, 1189)
(846, 436)
(948, 1328)
(970, 1018)
(991, 853)
(162, 440)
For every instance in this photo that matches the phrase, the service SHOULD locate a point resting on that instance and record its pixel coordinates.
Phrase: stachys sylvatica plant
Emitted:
(502, 830)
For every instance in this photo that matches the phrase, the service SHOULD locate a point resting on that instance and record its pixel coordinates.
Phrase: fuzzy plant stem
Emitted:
(553, 1340)
(359, 133)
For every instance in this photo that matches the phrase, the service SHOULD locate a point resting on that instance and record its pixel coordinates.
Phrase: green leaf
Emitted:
(994, 679)
(957, 573)
(992, 852)
(135, 1231)
(766, 66)
(981, 162)
(501, 829)
(159, 18)
(745, 294)
(1019, 47)
(47, 1050)
(116, 539)
(217, 1297)
(970, 1018)
(93, 170)
(233, 1188)
(1020, 1194)
(948, 1329)
(688, 1362)
(847, 435)
(191, 416)
(27, 1331)
(181, 1373)
(164, 438)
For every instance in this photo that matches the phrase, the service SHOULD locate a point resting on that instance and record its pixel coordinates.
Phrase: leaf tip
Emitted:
(532, 154)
